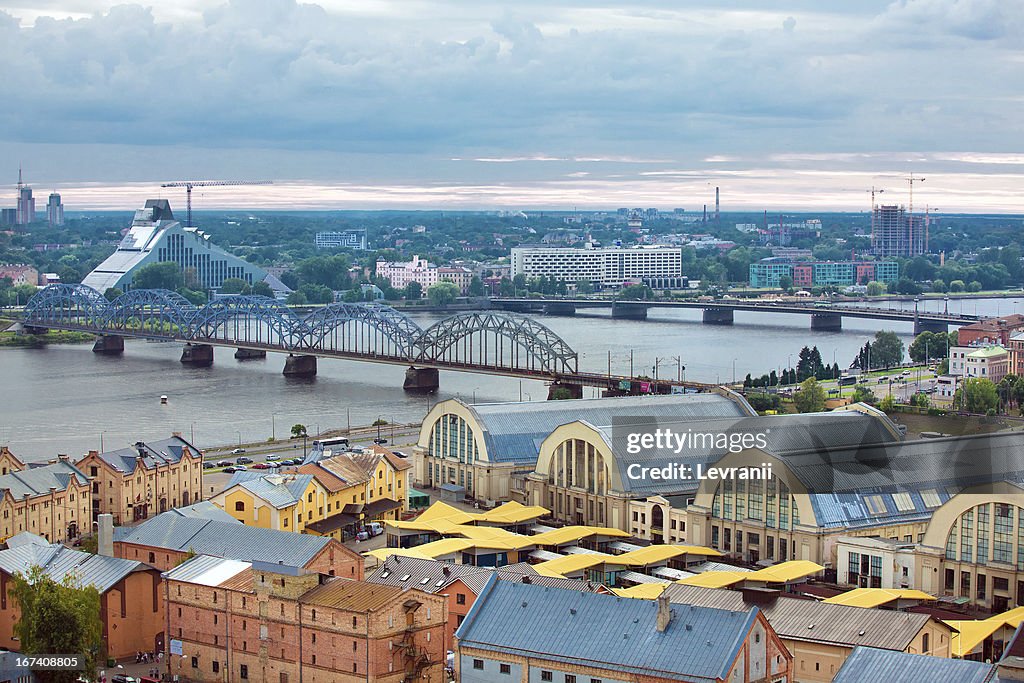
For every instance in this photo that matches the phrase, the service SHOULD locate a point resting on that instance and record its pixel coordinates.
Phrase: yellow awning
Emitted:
(383, 554)
(971, 633)
(714, 579)
(446, 546)
(570, 534)
(1012, 619)
(574, 563)
(512, 513)
(874, 597)
(642, 591)
(785, 571)
(653, 554)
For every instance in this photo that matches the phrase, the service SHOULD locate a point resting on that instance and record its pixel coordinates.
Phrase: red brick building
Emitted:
(241, 621)
(991, 330)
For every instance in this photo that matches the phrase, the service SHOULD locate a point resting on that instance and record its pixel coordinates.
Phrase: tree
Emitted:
(161, 275)
(887, 404)
(862, 394)
(636, 292)
(112, 293)
(786, 282)
(886, 350)
(297, 299)
(875, 288)
(476, 287)
(261, 289)
(810, 397)
(920, 400)
(957, 286)
(584, 287)
(58, 618)
(927, 346)
(976, 395)
(414, 291)
(442, 293)
(233, 285)
(299, 431)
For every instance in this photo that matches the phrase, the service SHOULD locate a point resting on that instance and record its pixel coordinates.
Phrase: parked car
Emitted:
(273, 457)
(262, 466)
(224, 463)
(237, 451)
(380, 440)
(243, 461)
(240, 468)
(209, 465)
(232, 469)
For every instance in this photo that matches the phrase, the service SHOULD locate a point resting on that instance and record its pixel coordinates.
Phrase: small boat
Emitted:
(163, 399)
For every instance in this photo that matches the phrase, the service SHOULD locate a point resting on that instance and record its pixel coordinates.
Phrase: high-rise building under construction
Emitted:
(896, 233)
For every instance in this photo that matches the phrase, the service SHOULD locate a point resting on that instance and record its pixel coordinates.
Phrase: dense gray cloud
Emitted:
(742, 82)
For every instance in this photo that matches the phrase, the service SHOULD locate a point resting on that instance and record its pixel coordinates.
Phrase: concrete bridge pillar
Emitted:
(629, 310)
(560, 390)
(110, 345)
(826, 321)
(718, 316)
(933, 326)
(300, 366)
(199, 355)
(32, 329)
(249, 354)
(559, 308)
(421, 380)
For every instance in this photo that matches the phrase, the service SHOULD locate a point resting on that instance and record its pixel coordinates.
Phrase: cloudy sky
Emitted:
(797, 105)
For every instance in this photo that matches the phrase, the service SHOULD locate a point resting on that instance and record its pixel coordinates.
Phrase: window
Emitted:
(243, 671)
(876, 505)
(195, 662)
(570, 678)
(904, 503)
(216, 666)
(931, 498)
(239, 506)
(460, 598)
(505, 669)
(546, 676)
(478, 664)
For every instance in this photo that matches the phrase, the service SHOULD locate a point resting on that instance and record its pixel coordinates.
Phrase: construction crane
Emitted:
(189, 184)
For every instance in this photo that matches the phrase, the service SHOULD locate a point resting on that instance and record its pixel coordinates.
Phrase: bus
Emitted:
(324, 444)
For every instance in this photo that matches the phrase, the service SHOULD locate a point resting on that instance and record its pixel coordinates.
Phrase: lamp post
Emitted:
(239, 435)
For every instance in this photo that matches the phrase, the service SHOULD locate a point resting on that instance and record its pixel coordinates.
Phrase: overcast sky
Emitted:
(795, 105)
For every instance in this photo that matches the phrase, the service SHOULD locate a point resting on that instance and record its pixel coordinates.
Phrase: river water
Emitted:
(66, 399)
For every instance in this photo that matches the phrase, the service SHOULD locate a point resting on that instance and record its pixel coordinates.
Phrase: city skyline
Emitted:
(576, 103)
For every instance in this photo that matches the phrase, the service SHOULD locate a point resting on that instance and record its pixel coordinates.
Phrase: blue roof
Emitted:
(224, 539)
(513, 432)
(153, 454)
(37, 481)
(873, 664)
(592, 629)
(204, 509)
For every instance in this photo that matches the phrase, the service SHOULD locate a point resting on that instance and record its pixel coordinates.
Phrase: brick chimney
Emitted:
(664, 613)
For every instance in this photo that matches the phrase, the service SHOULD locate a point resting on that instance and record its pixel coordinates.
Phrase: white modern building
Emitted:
(990, 362)
(400, 274)
(606, 267)
(353, 238)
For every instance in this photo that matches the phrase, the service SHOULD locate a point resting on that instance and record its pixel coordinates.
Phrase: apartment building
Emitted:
(401, 274)
(229, 620)
(52, 501)
(141, 481)
(769, 272)
(605, 267)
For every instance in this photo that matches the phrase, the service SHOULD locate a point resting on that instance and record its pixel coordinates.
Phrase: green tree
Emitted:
(442, 293)
(786, 282)
(234, 285)
(886, 350)
(957, 286)
(636, 292)
(584, 287)
(476, 287)
(297, 298)
(863, 394)
(261, 289)
(299, 431)
(414, 291)
(875, 288)
(920, 400)
(976, 395)
(58, 618)
(112, 293)
(810, 397)
(161, 275)
(197, 297)
(927, 346)
(974, 286)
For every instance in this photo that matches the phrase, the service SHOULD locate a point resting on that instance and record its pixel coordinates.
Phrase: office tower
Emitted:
(54, 210)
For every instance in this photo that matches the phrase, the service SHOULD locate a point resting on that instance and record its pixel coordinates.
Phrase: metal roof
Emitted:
(153, 454)
(355, 596)
(279, 490)
(814, 621)
(207, 570)
(440, 575)
(224, 539)
(25, 538)
(590, 629)
(513, 432)
(58, 561)
(873, 664)
(204, 509)
(37, 481)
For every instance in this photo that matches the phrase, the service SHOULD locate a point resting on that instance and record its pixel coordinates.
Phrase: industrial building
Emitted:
(605, 267)
(155, 236)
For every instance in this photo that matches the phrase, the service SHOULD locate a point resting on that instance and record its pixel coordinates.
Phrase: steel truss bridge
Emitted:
(494, 342)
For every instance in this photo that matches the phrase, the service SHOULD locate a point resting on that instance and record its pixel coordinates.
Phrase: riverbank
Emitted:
(10, 339)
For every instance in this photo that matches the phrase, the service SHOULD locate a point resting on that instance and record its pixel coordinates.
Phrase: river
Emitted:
(66, 399)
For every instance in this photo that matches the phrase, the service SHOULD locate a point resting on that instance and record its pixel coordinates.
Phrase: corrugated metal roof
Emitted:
(279, 490)
(204, 509)
(356, 596)
(873, 664)
(224, 539)
(153, 453)
(513, 432)
(815, 621)
(620, 634)
(37, 481)
(440, 575)
(26, 538)
(207, 570)
(57, 562)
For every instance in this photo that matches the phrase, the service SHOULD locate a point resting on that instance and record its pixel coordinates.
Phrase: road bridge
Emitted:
(721, 311)
(489, 342)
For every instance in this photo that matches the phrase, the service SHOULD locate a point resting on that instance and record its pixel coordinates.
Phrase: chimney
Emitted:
(664, 613)
(63, 457)
(105, 542)
(446, 570)
(94, 452)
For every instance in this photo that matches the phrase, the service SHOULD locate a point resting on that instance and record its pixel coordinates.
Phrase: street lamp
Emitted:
(239, 434)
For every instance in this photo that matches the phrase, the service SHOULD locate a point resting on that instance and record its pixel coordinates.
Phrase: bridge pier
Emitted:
(32, 329)
(198, 355)
(629, 310)
(826, 321)
(933, 326)
(300, 366)
(421, 380)
(249, 354)
(560, 390)
(109, 345)
(559, 308)
(718, 316)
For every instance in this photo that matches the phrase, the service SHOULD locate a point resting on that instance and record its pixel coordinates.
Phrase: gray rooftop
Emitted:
(513, 432)
(700, 644)
(810, 620)
(872, 664)
(152, 454)
(223, 539)
(37, 481)
(433, 576)
(204, 509)
(57, 562)
(279, 490)
(25, 538)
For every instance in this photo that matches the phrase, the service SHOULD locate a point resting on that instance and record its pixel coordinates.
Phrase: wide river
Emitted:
(66, 399)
